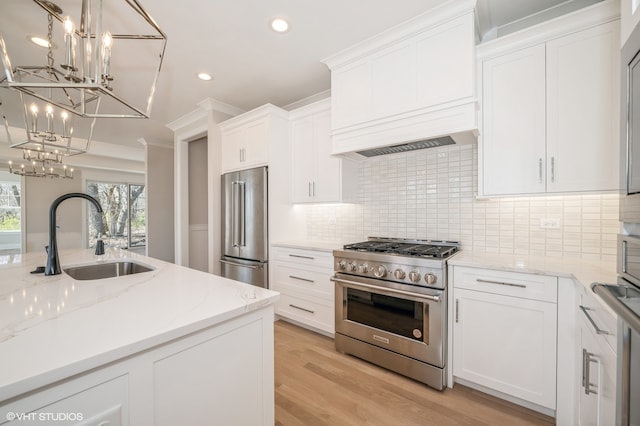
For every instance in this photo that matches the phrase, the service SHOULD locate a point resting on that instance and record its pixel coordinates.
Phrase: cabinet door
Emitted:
(598, 365)
(507, 344)
(513, 133)
(256, 144)
(582, 110)
(328, 176)
(232, 146)
(302, 155)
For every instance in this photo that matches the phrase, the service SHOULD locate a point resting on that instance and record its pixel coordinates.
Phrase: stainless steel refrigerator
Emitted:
(245, 245)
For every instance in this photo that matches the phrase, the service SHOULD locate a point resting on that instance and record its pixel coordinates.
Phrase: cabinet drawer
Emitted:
(314, 314)
(516, 284)
(303, 280)
(303, 256)
(604, 322)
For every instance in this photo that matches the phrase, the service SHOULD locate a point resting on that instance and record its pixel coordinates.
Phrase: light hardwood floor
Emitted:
(315, 385)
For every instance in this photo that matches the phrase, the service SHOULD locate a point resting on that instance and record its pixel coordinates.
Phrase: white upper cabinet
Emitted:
(583, 87)
(513, 109)
(412, 82)
(246, 138)
(550, 107)
(317, 176)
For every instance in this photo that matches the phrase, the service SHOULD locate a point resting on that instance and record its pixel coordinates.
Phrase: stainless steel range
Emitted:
(391, 305)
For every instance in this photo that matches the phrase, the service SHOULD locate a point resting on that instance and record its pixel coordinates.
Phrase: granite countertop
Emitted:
(583, 271)
(54, 327)
(310, 245)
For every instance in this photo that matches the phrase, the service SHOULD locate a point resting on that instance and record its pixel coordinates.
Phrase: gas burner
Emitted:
(404, 247)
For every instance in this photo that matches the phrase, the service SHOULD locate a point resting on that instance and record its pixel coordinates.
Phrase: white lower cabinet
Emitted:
(302, 276)
(504, 333)
(597, 363)
(222, 375)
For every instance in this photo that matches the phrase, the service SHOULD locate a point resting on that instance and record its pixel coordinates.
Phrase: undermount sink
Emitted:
(98, 271)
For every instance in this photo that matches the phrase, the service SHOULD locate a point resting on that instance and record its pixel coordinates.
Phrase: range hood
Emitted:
(409, 146)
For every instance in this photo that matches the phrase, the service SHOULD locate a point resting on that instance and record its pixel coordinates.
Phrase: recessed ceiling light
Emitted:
(204, 76)
(39, 41)
(279, 25)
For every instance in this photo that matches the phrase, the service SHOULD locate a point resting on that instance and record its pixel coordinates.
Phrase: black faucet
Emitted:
(53, 262)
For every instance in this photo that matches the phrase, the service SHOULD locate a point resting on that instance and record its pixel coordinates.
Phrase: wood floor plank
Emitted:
(316, 385)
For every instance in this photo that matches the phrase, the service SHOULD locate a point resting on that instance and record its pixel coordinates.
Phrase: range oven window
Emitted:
(403, 317)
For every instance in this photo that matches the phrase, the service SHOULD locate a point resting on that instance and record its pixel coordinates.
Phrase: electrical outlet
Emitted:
(332, 221)
(550, 223)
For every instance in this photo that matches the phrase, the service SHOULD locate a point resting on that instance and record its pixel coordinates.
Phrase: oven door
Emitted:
(405, 322)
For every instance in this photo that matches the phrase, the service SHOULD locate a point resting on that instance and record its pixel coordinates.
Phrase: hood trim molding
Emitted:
(457, 121)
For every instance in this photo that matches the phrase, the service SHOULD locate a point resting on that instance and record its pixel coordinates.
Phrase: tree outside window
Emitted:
(123, 220)
(10, 217)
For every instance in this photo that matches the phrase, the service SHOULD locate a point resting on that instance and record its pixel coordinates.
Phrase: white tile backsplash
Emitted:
(431, 194)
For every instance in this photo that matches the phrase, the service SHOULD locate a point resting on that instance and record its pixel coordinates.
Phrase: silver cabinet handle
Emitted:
(593, 323)
(309, 190)
(480, 280)
(301, 279)
(587, 359)
(314, 189)
(624, 257)
(302, 309)
(540, 170)
(457, 310)
(553, 169)
(302, 257)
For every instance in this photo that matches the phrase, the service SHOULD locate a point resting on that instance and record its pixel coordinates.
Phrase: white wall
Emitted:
(160, 202)
(198, 205)
(430, 194)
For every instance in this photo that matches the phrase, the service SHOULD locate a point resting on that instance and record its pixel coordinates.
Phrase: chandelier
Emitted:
(99, 59)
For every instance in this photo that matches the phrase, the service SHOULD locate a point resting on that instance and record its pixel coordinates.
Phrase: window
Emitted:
(10, 219)
(123, 220)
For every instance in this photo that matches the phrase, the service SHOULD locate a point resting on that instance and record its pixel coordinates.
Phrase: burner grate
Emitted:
(429, 250)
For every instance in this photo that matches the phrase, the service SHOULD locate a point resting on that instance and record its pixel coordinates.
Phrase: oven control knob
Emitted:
(414, 276)
(399, 274)
(430, 278)
(342, 265)
(351, 267)
(380, 271)
(363, 269)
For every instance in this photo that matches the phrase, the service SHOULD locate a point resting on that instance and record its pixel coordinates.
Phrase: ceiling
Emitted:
(251, 64)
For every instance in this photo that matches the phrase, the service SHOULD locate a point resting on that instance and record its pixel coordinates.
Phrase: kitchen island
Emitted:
(169, 346)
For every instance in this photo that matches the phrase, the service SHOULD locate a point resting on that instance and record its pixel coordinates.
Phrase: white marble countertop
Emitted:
(310, 245)
(583, 271)
(54, 327)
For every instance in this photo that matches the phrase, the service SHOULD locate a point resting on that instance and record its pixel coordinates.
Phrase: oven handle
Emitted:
(390, 290)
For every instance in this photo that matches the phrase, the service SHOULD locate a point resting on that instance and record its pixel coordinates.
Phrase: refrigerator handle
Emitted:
(234, 214)
(243, 217)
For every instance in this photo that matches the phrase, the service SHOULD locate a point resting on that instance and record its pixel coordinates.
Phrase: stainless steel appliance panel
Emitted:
(244, 208)
(407, 323)
(246, 271)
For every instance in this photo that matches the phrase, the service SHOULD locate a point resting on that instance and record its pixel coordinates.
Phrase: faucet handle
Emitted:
(99, 248)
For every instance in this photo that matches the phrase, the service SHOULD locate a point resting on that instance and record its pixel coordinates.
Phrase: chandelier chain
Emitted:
(50, 40)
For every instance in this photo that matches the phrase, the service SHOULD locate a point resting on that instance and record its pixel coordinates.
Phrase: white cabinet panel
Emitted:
(597, 391)
(582, 110)
(507, 344)
(317, 176)
(550, 111)
(351, 94)
(453, 75)
(513, 145)
(306, 292)
(392, 91)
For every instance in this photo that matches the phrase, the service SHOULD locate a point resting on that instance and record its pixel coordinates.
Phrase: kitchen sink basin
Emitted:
(98, 271)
